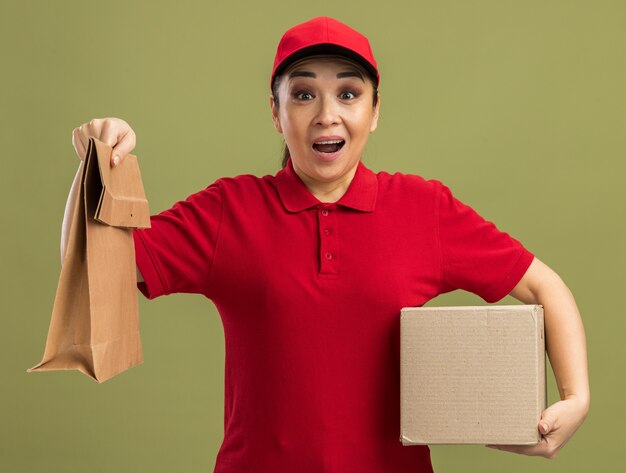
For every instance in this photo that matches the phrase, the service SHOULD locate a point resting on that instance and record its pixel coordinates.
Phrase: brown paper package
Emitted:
(472, 374)
(95, 318)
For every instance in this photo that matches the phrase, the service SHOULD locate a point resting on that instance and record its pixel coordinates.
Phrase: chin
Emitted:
(326, 170)
(334, 171)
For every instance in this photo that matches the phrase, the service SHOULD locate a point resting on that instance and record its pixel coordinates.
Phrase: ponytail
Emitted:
(285, 156)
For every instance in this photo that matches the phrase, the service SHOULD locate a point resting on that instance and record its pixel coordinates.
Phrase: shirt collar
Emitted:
(361, 194)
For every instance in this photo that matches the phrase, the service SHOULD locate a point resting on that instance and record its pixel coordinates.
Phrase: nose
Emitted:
(328, 113)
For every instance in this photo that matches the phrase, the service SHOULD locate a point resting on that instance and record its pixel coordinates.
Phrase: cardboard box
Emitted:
(472, 375)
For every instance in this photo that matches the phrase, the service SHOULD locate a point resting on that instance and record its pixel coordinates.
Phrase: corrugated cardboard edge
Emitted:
(542, 401)
(537, 312)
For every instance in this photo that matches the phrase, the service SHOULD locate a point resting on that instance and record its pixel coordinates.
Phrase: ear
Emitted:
(375, 116)
(275, 118)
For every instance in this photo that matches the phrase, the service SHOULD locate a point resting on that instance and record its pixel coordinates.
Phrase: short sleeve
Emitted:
(175, 255)
(475, 255)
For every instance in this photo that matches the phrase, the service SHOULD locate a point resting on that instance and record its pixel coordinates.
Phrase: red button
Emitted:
(329, 256)
(326, 231)
(324, 212)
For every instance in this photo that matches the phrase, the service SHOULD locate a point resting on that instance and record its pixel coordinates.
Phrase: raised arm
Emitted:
(566, 347)
(116, 133)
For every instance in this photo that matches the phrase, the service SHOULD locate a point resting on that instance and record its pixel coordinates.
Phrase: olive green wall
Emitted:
(517, 106)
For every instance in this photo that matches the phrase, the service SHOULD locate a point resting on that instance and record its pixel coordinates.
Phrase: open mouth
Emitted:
(328, 147)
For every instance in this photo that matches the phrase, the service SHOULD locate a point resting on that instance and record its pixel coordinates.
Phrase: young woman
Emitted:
(309, 269)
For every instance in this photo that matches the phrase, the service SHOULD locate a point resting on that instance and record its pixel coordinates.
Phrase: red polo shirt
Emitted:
(309, 294)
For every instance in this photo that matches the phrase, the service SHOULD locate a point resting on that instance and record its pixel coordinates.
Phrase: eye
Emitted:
(303, 95)
(347, 95)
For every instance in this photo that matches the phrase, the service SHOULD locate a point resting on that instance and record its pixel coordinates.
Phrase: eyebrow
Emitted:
(340, 75)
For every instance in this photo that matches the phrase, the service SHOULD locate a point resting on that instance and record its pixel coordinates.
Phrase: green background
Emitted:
(517, 106)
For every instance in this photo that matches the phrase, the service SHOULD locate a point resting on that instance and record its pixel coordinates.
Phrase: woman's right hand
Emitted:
(115, 132)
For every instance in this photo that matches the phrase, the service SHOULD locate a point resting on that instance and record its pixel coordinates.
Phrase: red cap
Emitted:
(323, 35)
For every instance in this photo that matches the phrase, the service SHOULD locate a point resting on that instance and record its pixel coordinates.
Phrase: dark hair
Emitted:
(275, 86)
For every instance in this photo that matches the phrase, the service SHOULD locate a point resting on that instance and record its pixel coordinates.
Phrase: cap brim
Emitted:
(326, 48)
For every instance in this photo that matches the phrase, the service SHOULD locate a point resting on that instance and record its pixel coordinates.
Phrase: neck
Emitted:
(328, 192)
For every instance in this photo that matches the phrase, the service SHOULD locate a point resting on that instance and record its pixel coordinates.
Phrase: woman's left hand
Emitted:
(557, 425)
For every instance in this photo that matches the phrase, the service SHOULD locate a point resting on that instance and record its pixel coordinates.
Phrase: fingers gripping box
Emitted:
(472, 375)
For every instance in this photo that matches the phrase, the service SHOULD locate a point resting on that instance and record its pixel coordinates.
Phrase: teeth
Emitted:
(328, 142)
